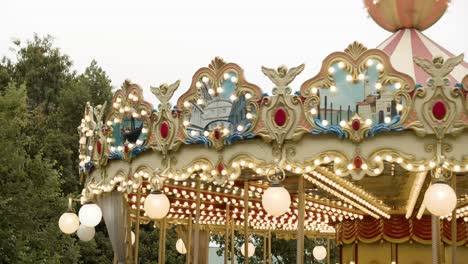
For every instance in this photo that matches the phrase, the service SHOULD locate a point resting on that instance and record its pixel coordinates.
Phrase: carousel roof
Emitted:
(405, 44)
(361, 138)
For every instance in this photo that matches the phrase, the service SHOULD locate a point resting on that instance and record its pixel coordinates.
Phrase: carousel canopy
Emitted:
(405, 44)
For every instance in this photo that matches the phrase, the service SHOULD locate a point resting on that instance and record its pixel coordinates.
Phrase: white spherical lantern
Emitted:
(250, 249)
(85, 233)
(180, 246)
(90, 214)
(157, 205)
(69, 222)
(319, 252)
(133, 238)
(276, 200)
(440, 199)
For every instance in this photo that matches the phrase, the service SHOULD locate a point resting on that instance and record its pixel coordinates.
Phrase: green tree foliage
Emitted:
(41, 105)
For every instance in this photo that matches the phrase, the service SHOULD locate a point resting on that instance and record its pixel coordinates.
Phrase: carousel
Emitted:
(370, 152)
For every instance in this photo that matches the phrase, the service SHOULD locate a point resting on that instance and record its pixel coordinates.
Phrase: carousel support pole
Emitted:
(189, 240)
(246, 222)
(233, 257)
(162, 240)
(197, 225)
(328, 250)
(453, 225)
(300, 224)
(226, 236)
(435, 240)
(137, 226)
(264, 247)
(269, 246)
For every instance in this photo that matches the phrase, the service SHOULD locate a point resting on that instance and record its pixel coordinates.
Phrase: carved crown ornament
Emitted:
(218, 129)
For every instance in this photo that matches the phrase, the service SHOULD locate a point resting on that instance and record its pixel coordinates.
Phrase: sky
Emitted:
(154, 42)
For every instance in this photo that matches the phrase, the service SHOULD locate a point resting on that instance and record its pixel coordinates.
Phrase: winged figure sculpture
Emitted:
(165, 92)
(438, 69)
(282, 77)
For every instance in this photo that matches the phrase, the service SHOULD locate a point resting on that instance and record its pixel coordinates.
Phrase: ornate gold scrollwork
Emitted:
(356, 62)
(215, 90)
(166, 121)
(280, 113)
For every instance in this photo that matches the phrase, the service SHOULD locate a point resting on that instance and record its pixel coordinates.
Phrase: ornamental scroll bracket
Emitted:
(442, 110)
(129, 123)
(281, 112)
(220, 107)
(165, 121)
(357, 94)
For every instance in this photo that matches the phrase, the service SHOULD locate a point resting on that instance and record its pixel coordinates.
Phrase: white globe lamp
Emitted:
(440, 199)
(90, 214)
(276, 200)
(133, 238)
(250, 249)
(68, 222)
(319, 252)
(157, 205)
(85, 233)
(180, 246)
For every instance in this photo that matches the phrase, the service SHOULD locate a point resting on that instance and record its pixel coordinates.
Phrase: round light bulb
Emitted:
(319, 252)
(69, 222)
(276, 200)
(90, 214)
(157, 205)
(85, 233)
(440, 199)
(180, 246)
(250, 249)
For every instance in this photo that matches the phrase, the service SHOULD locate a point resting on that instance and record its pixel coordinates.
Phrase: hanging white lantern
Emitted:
(319, 252)
(68, 222)
(85, 233)
(90, 214)
(250, 249)
(180, 246)
(157, 205)
(133, 238)
(276, 200)
(440, 199)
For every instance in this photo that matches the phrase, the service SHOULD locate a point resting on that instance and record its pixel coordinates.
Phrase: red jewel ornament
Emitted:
(356, 124)
(99, 146)
(357, 162)
(164, 130)
(439, 110)
(280, 116)
(217, 134)
(126, 148)
(220, 167)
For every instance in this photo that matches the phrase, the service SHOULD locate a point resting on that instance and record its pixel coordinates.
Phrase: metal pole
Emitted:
(300, 224)
(246, 222)
(137, 225)
(162, 240)
(269, 246)
(226, 236)
(435, 239)
(453, 226)
(197, 226)
(233, 257)
(328, 250)
(264, 247)
(189, 240)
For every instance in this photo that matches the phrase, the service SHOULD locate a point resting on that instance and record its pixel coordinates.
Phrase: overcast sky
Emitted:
(151, 42)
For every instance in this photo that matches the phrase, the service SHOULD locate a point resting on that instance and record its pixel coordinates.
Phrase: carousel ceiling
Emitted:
(363, 138)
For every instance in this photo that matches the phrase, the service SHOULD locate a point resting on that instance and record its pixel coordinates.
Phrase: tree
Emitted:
(30, 193)
(39, 153)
